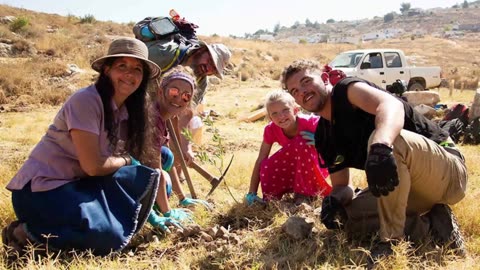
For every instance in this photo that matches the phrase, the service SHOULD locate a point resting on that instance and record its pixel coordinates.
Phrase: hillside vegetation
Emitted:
(37, 54)
(45, 57)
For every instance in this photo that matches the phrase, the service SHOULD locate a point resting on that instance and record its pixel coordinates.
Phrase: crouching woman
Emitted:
(81, 186)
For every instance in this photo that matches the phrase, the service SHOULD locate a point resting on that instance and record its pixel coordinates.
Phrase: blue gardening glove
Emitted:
(162, 222)
(179, 214)
(134, 161)
(333, 214)
(189, 201)
(309, 137)
(381, 170)
(253, 198)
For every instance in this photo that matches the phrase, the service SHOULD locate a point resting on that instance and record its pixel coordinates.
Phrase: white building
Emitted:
(266, 37)
(393, 32)
(344, 39)
(379, 35)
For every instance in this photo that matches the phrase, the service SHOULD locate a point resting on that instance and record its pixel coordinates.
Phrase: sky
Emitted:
(225, 17)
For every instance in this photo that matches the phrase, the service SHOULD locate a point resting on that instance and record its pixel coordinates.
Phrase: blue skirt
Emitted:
(100, 214)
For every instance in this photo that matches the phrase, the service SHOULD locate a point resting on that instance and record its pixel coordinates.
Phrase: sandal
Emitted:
(15, 248)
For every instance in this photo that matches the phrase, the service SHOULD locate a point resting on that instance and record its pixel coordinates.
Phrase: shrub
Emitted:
(23, 47)
(89, 18)
(389, 17)
(246, 72)
(276, 74)
(72, 18)
(19, 24)
(54, 68)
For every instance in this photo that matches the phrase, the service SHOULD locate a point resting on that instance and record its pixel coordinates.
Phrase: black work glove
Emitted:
(333, 214)
(381, 170)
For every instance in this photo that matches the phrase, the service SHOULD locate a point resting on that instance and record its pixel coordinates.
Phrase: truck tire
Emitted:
(416, 87)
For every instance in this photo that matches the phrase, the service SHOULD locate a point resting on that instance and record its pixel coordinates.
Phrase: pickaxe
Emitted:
(214, 181)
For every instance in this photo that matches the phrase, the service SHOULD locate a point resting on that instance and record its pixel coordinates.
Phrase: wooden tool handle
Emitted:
(178, 149)
(202, 172)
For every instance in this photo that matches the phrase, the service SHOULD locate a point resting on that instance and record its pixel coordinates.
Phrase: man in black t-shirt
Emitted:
(412, 166)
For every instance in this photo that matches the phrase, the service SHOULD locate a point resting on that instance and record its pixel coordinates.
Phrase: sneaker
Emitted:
(445, 230)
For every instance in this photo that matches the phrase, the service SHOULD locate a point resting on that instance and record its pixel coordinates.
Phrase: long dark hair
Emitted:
(136, 104)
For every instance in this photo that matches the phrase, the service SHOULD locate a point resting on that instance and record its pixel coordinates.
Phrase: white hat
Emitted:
(220, 55)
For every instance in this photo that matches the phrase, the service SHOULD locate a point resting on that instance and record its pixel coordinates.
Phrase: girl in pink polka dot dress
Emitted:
(295, 167)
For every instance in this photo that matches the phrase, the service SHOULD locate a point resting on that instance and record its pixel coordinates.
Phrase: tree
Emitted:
(296, 25)
(404, 7)
(247, 36)
(308, 23)
(330, 21)
(276, 28)
(465, 4)
(259, 32)
(389, 17)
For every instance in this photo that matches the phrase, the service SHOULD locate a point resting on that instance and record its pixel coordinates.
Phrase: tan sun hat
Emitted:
(128, 47)
(220, 55)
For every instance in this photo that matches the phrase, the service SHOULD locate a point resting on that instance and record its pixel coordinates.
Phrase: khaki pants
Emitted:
(428, 175)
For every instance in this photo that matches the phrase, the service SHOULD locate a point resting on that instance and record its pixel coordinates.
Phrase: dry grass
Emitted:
(263, 245)
(33, 85)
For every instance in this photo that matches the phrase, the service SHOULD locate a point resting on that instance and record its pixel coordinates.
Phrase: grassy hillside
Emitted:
(36, 69)
(34, 83)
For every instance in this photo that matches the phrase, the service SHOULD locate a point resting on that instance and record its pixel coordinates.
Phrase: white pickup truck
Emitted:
(385, 66)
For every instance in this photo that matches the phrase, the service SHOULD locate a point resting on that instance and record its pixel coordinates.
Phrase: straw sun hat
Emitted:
(128, 47)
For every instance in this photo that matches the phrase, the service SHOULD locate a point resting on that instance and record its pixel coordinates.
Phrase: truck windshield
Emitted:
(346, 60)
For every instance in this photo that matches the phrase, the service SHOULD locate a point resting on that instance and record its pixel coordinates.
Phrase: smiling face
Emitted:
(126, 74)
(202, 63)
(281, 114)
(308, 89)
(176, 97)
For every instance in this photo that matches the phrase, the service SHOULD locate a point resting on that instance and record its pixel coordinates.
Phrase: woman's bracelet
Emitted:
(126, 160)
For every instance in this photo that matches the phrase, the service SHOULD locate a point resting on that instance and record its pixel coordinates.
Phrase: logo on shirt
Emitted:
(339, 160)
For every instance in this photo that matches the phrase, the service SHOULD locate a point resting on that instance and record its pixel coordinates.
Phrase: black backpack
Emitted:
(459, 111)
(397, 88)
(161, 28)
(472, 132)
(454, 127)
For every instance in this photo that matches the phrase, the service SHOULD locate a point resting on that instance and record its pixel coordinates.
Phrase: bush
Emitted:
(19, 24)
(89, 18)
(389, 17)
(23, 47)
